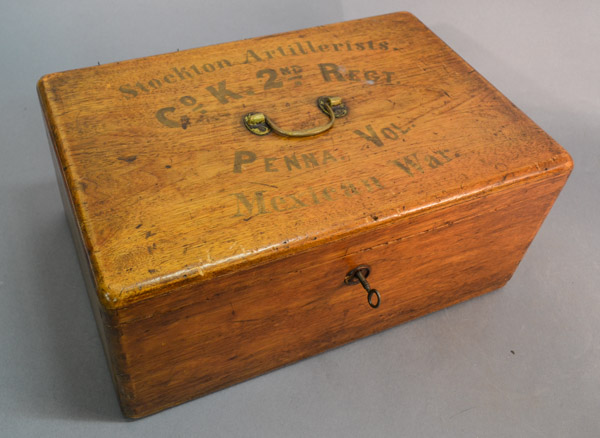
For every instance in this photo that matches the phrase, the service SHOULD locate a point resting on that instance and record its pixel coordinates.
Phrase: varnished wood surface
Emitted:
(294, 308)
(160, 206)
(214, 256)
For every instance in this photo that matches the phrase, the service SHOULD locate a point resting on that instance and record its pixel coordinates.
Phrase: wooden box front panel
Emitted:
(287, 310)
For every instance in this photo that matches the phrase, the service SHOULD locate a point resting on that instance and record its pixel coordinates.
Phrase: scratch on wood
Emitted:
(129, 159)
(263, 184)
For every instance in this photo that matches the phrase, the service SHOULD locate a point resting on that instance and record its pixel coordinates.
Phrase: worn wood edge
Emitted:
(112, 299)
(114, 316)
(297, 247)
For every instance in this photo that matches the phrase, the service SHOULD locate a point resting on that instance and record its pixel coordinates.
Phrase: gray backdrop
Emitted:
(452, 373)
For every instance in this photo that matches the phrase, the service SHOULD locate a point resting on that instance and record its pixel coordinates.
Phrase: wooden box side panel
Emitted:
(108, 333)
(242, 326)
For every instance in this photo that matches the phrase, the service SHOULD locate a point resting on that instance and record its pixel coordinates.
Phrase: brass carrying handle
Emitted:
(261, 124)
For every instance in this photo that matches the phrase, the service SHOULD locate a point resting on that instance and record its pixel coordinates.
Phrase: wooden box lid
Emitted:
(168, 186)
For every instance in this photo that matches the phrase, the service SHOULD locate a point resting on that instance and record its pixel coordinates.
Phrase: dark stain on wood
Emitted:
(129, 159)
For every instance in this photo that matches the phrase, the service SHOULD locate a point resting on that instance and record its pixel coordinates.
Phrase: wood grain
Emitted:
(215, 255)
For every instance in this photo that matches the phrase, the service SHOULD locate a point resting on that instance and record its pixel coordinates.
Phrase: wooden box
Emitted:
(213, 254)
